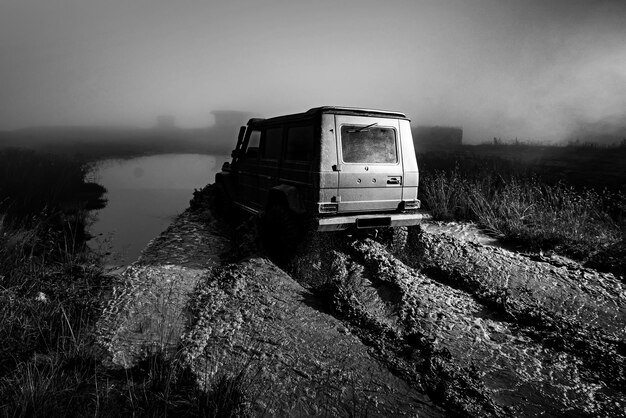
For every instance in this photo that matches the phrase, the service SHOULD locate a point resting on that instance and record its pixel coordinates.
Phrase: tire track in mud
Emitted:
(415, 322)
(574, 309)
(253, 320)
(146, 312)
(359, 303)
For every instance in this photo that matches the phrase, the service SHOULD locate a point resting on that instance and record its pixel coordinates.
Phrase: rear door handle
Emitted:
(394, 180)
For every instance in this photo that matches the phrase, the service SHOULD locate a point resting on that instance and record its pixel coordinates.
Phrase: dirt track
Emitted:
(447, 327)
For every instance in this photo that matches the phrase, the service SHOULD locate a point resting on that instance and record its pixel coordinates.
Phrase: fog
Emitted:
(540, 70)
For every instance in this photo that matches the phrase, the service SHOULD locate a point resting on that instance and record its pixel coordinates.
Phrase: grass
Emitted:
(521, 207)
(49, 300)
(50, 286)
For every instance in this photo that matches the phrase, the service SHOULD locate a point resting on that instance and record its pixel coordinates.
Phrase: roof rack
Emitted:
(342, 110)
(355, 110)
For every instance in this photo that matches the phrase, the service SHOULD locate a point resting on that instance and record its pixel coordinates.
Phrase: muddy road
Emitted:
(450, 326)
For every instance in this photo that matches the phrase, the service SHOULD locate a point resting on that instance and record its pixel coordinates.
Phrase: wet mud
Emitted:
(449, 327)
(412, 319)
(147, 311)
(255, 319)
(562, 304)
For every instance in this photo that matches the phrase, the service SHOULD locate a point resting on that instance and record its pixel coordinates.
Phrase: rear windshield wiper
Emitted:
(363, 128)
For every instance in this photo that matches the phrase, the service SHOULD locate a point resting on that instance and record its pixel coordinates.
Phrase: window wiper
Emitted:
(363, 128)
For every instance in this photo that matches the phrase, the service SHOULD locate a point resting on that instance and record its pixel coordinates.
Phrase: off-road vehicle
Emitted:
(330, 168)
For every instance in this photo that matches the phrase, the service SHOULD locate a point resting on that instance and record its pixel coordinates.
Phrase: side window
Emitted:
(252, 150)
(273, 144)
(300, 143)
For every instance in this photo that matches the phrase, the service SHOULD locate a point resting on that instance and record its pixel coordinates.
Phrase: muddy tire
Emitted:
(279, 233)
(395, 238)
(399, 237)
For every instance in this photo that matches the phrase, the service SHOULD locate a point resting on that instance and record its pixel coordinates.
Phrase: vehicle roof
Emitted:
(337, 110)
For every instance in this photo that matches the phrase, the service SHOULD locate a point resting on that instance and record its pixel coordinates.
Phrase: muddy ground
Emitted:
(451, 326)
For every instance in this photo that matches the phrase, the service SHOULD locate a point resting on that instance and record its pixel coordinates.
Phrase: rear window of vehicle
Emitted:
(363, 144)
(300, 143)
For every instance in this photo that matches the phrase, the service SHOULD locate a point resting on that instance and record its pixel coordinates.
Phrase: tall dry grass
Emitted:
(524, 209)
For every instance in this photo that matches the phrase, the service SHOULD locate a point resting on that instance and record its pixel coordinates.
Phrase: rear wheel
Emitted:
(395, 238)
(280, 232)
(399, 237)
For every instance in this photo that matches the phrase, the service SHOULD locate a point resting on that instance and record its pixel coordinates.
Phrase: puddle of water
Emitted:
(144, 195)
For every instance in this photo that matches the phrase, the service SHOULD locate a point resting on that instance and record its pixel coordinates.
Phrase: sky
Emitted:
(532, 69)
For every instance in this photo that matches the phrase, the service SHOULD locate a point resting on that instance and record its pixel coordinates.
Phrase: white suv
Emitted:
(337, 166)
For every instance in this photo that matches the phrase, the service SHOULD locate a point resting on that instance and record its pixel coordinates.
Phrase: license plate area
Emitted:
(362, 223)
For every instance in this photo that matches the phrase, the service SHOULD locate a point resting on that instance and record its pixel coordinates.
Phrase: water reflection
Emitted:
(144, 194)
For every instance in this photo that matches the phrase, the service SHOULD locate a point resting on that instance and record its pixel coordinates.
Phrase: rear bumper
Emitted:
(339, 223)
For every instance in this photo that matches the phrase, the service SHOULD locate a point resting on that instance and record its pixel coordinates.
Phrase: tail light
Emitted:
(328, 207)
(411, 204)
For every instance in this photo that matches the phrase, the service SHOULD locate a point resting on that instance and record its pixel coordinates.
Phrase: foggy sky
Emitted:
(527, 69)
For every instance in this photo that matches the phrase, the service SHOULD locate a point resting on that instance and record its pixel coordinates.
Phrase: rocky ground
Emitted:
(450, 326)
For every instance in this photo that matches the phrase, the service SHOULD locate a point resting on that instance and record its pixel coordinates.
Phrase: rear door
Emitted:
(370, 163)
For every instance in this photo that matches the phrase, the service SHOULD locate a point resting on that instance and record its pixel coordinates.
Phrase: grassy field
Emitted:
(527, 204)
(588, 165)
